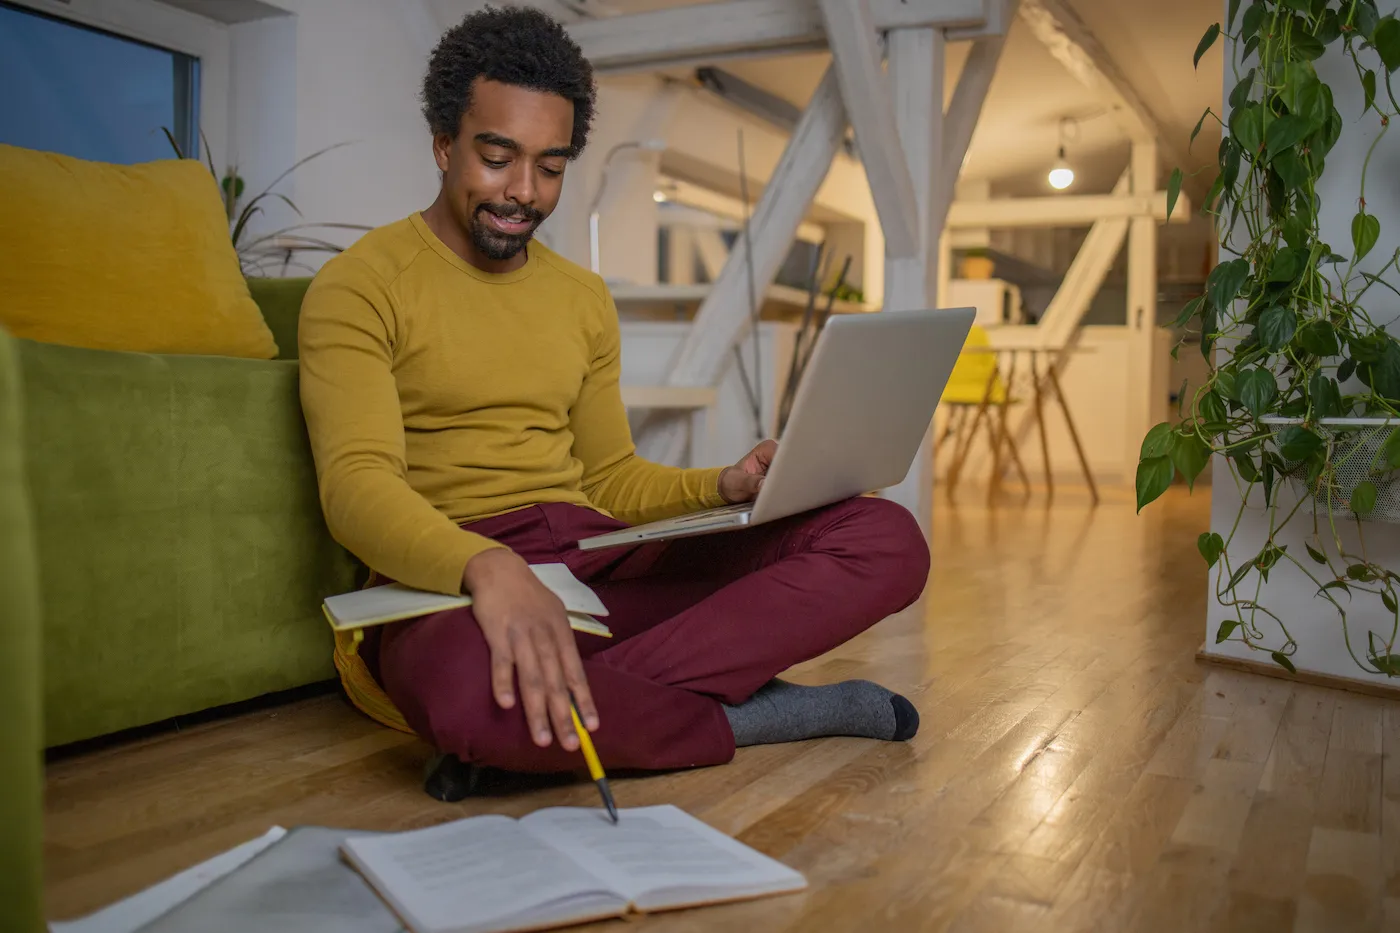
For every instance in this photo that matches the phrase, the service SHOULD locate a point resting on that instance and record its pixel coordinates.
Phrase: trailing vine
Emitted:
(1284, 327)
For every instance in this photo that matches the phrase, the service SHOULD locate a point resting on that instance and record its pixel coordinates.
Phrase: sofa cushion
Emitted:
(280, 303)
(122, 257)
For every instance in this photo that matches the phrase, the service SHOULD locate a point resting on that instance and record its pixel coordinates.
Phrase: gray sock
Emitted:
(784, 712)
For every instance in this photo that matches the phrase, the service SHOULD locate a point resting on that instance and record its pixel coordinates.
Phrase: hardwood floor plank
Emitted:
(1076, 768)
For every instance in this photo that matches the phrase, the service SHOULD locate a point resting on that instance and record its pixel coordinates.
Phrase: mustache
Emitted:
(512, 211)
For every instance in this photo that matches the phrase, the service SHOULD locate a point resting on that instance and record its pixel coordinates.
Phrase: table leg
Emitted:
(1040, 425)
(1073, 434)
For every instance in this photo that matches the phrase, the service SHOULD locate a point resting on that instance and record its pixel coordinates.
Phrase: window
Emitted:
(87, 93)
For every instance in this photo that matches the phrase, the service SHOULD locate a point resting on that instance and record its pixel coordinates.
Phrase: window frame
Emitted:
(171, 28)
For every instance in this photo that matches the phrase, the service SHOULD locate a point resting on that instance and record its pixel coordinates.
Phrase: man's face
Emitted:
(504, 172)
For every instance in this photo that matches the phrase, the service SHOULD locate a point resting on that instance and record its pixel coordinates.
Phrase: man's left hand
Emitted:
(741, 482)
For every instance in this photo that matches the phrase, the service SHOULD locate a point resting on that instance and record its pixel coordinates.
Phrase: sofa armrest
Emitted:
(21, 745)
(183, 554)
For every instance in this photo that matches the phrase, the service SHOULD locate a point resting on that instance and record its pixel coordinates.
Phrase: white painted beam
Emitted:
(1066, 210)
(851, 31)
(1075, 47)
(724, 315)
(1147, 399)
(964, 110)
(916, 58)
(707, 32)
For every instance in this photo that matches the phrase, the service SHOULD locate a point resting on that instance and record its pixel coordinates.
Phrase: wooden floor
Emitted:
(1076, 769)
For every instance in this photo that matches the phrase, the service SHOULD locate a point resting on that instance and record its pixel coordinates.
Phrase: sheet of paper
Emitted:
(482, 867)
(655, 847)
(130, 914)
(575, 595)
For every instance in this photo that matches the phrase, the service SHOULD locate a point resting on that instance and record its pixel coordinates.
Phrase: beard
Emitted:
(497, 245)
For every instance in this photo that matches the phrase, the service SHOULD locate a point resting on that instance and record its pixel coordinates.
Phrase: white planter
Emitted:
(1356, 455)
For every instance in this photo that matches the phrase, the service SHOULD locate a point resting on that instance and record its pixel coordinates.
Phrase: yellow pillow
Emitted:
(122, 257)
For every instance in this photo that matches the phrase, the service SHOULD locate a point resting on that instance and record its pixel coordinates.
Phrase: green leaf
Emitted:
(1225, 281)
(1257, 389)
(1268, 480)
(1315, 554)
(1388, 599)
(1331, 29)
(1197, 131)
(1226, 383)
(1230, 16)
(1306, 47)
(1247, 126)
(1286, 132)
(1245, 465)
(1211, 546)
(1363, 498)
(1286, 265)
(1240, 573)
(1206, 42)
(1366, 19)
(1300, 6)
(1190, 455)
(1383, 376)
(1319, 338)
(1346, 370)
(1326, 396)
(1226, 627)
(1158, 442)
(1365, 230)
(1251, 45)
(1295, 232)
(1335, 585)
(1298, 443)
(1189, 311)
(1361, 573)
(1386, 39)
(1211, 410)
(1387, 664)
(1390, 450)
(1240, 93)
(1173, 190)
(1253, 17)
(1282, 661)
(1277, 326)
(1154, 476)
(1292, 169)
(1368, 84)
(1300, 92)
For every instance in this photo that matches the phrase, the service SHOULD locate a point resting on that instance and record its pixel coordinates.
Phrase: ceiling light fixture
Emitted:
(1061, 175)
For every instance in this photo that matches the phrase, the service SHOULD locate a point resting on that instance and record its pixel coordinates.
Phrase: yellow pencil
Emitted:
(595, 767)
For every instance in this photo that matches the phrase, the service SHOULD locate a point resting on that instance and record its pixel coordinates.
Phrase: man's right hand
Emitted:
(528, 632)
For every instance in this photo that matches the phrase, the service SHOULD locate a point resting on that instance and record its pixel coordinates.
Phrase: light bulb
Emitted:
(658, 196)
(1061, 175)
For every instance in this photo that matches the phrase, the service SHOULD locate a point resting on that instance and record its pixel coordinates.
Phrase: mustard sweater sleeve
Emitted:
(346, 337)
(615, 478)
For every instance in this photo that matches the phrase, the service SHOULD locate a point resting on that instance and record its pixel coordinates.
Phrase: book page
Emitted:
(656, 849)
(469, 872)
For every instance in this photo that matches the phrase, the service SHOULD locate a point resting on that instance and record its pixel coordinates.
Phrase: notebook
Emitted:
(393, 602)
(560, 866)
(300, 883)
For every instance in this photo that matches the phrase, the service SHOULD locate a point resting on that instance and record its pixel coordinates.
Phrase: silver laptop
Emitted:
(861, 411)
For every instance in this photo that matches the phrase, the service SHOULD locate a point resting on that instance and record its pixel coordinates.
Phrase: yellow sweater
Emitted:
(436, 393)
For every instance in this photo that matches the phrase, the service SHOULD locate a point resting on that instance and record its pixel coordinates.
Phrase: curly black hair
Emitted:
(520, 46)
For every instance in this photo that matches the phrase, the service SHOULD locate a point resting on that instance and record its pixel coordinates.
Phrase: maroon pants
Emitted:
(695, 622)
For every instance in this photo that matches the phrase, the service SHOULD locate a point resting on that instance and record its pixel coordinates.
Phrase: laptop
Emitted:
(861, 412)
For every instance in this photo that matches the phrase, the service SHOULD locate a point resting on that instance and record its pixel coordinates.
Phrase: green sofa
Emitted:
(182, 554)
(21, 758)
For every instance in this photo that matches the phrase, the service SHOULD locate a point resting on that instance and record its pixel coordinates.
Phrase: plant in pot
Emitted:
(1302, 396)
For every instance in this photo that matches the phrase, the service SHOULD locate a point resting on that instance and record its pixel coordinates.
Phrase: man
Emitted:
(460, 385)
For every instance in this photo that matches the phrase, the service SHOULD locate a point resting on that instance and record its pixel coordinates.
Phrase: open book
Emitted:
(559, 866)
(392, 602)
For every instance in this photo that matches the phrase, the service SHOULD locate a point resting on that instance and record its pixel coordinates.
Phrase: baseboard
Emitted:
(1270, 669)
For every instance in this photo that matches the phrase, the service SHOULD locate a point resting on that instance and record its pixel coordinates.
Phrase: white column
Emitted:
(1145, 408)
(916, 82)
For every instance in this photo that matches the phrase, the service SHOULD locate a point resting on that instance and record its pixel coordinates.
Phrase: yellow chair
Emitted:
(976, 383)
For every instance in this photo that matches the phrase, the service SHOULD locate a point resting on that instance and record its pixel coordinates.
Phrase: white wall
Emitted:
(1289, 593)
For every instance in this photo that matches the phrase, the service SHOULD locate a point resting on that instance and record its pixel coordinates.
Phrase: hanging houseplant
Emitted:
(1302, 398)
